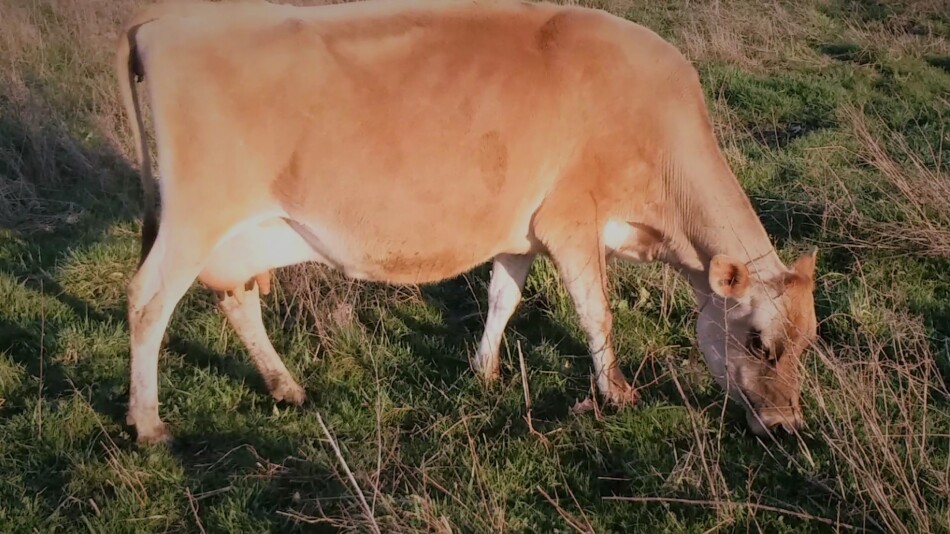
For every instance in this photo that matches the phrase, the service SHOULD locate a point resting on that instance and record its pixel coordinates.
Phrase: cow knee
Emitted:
(140, 290)
(506, 297)
(133, 292)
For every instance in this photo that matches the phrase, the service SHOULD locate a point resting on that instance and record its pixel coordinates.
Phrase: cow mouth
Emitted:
(773, 421)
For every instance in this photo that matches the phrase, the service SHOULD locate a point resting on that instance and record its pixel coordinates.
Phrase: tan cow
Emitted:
(410, 141)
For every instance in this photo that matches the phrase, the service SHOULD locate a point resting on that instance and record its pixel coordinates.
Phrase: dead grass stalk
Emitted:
(918, 194)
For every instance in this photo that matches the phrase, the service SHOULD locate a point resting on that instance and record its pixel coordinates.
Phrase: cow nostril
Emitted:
(776, 426)
(799, 420)
(782, 427)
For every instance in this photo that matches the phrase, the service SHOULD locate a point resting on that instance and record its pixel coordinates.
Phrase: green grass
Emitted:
(387, 368)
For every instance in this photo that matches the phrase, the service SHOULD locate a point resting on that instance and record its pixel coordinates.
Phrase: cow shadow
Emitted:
(55, 209)
(550, 347)
(787, 221)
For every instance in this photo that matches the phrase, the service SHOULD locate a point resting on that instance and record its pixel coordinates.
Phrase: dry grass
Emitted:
(327, 300)
(875, 399)
(921, 192)
(917, 195)
(749, 37)
(753, 36)
(57, 94)
(909, 29)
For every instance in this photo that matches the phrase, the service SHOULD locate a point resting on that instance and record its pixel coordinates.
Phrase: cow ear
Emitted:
(805, 265)
(803, 270)
(728, 277)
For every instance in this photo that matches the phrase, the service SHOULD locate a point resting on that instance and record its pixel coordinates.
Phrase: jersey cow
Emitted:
(410, 141)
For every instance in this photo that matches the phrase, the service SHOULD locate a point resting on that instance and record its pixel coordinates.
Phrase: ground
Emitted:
(834, 116)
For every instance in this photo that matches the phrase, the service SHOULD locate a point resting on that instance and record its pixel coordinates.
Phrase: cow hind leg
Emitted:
(244, 314)
(582, 269)
(508, 276)
(169, 269)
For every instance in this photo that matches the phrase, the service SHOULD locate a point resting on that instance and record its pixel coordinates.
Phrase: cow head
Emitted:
(752, 333)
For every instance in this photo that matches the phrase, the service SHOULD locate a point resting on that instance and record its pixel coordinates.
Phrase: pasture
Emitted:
(834, 115)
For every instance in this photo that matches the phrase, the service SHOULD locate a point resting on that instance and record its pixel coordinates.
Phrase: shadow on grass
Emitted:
(940, 62)
(221, 465)
(844, 51)
(788, 221)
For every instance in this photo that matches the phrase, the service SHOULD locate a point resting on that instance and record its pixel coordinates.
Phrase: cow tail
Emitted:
(130, 70)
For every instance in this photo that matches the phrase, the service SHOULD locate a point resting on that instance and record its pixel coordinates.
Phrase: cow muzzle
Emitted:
(766, 421)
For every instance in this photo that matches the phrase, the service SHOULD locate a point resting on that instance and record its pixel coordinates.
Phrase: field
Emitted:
(834, 115)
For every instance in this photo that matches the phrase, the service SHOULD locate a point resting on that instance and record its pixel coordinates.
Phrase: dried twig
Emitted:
(194, 510)
(39, 389)
(306, 519)
(733, 504)
(567, 516)
(212, 493)
(349, 474)
(713, 481)
(527, 395)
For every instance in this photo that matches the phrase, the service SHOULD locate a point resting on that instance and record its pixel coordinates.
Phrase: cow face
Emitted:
(752, 333)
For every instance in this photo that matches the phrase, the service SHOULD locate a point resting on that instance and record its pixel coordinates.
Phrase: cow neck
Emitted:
(710, 214)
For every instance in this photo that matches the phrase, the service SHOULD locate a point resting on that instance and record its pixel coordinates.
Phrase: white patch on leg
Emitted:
(616, 234)
(147, 325)
(161, 281)
(596, 324)
(509, 273)
(629, 242)
(245, 318)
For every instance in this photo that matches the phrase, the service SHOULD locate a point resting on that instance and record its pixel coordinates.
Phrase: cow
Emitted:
(407, 142)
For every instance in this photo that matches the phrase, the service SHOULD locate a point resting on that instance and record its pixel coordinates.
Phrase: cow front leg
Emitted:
(508, 276)
(243, 310)
(583, 272)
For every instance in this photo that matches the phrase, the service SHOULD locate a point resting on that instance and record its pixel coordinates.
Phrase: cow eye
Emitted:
(757, 347)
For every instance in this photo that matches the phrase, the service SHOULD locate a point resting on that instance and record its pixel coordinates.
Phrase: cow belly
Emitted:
(279, 242)
(427, 266)
(406, 257)
(258, 249)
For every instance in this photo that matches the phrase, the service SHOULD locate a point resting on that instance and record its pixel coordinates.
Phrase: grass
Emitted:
(833, 114)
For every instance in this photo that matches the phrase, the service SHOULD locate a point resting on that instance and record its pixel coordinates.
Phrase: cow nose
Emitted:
(791, 425)
(775, 420)
(798, 422)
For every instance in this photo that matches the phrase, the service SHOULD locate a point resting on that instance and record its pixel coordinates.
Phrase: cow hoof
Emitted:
(487, 368)
(289, 392)
(489, 379)
(622, 396)
(156, 435)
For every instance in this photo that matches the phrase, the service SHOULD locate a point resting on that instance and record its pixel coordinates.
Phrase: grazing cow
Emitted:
(408, 142)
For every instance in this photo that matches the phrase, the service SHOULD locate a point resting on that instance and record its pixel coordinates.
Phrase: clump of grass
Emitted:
(879, 403)
(59, 113)
(750, 37)
(327, 301)
(914, 196)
